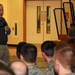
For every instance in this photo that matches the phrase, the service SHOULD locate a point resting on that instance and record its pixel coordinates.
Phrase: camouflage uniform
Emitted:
(34, 70)
(50, 68)
(70, 74)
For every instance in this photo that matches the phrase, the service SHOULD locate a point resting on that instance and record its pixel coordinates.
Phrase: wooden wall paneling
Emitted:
(24, 20)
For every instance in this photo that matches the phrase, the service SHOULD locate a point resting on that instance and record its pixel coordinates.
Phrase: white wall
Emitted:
(15, 15)
(31, 21)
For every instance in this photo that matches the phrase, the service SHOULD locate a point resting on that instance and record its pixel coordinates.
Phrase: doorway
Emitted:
(40, 25)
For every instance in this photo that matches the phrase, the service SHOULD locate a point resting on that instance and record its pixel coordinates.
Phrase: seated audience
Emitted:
(19, 68)
(47, 48)
(18, 50)
(5, 70)
(64, 59)
(28, 56)
(71, 33)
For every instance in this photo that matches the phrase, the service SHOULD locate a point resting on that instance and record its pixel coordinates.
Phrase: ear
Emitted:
(56, 65)
(21, 57)
(44, 55)
(56, 61)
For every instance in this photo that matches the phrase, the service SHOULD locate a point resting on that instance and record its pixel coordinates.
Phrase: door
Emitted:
(40, 21)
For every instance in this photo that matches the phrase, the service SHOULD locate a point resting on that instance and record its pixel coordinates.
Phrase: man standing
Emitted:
(4, 31)
(47, 48)
(71, 34)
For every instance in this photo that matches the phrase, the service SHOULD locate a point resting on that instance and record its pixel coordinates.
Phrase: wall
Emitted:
(31, 21)
(65, 0)
(73, 1)
(68, 15)
(15, 15)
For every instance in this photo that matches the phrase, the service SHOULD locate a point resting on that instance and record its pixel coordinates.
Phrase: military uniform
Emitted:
(50, 68)
(34, 70)
(70, 74)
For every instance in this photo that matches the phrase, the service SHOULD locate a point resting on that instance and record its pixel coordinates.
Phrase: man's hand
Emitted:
(6, 28)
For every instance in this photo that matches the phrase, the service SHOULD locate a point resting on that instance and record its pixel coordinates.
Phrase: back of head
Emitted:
(29, 53)
(18, 50)
(5, 70)
(65, 54)
(72, 24)
(19, 68)
(48, 47)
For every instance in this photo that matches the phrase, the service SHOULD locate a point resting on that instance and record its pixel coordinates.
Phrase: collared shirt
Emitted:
(50, 69)
(34, 70)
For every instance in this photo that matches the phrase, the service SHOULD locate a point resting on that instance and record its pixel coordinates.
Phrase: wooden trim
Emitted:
(63, 37)
(61, 18)
(24, 20)
(12, 44)
(42, 0)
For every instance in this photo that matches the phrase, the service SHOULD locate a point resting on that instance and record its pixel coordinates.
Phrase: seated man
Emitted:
(47, 48)
(64, 59)
(71, 34)
(18, 50)
(28, 56)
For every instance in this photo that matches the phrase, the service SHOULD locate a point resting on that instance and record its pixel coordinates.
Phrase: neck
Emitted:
(48, 59)
(29, 64)
(63, 71)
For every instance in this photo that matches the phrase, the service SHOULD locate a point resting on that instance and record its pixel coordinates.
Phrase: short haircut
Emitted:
(72, 24)
(29, 52)
(65, 55)
(18, 50)
(48, 47)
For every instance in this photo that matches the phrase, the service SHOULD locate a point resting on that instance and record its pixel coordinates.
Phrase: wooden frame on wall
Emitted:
(24, 20)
